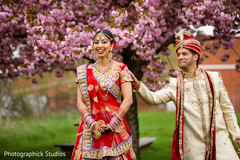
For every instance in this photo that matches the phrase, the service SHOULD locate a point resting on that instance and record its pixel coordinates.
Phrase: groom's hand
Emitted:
(135, 82)
(237, 142)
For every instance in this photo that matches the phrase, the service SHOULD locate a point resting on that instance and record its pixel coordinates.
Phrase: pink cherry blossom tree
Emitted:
(40, 36)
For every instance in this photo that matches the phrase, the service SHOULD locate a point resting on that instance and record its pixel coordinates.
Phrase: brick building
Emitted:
(230, 76)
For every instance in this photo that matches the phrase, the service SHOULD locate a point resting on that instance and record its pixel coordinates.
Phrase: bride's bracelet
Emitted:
(114, 122)
(89, 120)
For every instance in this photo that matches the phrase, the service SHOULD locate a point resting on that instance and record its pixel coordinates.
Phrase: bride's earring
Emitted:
(110, 54)
(95, 56)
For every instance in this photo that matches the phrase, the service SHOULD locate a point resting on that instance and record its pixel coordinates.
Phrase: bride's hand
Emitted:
(104, 127)
(96, 127)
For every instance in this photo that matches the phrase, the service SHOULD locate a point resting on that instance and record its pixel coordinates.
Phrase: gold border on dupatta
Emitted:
(111, 86)
(85, 142)
(83, 86)
(113, 151)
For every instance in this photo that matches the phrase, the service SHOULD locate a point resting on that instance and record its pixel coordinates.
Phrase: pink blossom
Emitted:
(115, 13)
(224, 57)
(34, 81)
(45, 2)
(237, 66)
(3, 16)
(208, 47)
(138, 8)
(57, 33)
(228, 44)
(167, 52)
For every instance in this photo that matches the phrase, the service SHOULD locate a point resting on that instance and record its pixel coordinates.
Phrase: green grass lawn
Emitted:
(39, 134)
(160, 125)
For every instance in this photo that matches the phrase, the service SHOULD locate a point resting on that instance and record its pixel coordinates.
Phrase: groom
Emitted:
(204, 113)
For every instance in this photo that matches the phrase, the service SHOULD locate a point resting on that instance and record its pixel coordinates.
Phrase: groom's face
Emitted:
(185, 58)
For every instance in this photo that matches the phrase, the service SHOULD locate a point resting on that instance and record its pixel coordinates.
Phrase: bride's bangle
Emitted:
(89, 120)
(114, 122)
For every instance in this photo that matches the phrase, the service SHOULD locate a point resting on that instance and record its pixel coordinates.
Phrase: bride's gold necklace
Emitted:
(105, 69)
(103, 84)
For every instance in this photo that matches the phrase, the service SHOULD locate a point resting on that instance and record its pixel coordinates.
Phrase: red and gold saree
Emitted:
(102, 96)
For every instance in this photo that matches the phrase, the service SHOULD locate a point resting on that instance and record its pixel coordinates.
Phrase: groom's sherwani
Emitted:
(196, 96)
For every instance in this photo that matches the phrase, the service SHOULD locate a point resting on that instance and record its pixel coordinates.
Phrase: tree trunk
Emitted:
(2, 90)
(135, 66)
(11, 97)
(132, 118)
(1, 102)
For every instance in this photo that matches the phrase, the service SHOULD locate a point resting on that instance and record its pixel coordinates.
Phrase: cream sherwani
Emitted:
(196, 114)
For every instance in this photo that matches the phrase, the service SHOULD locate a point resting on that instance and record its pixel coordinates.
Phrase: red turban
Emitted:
(184, 40)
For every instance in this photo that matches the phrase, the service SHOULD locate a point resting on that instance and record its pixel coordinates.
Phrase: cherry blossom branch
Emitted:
(170, 40)
(169, 62)
(235, 52)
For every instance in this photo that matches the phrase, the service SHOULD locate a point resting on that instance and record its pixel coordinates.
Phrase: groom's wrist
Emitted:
(137, 86)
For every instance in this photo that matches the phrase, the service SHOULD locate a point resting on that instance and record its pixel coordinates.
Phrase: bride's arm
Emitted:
(126, 89)
(87, 118)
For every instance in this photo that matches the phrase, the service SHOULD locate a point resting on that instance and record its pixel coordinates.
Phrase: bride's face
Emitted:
(102, 46)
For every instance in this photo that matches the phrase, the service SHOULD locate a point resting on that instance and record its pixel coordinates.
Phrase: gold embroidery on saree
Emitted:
(113, 151)
(82, 82)
(86, 139)
(110, 85)
(95, 99)
(90, 87)
(125, 75)
(78, 151)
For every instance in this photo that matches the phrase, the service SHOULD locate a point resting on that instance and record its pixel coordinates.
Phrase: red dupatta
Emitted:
(177, 145)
